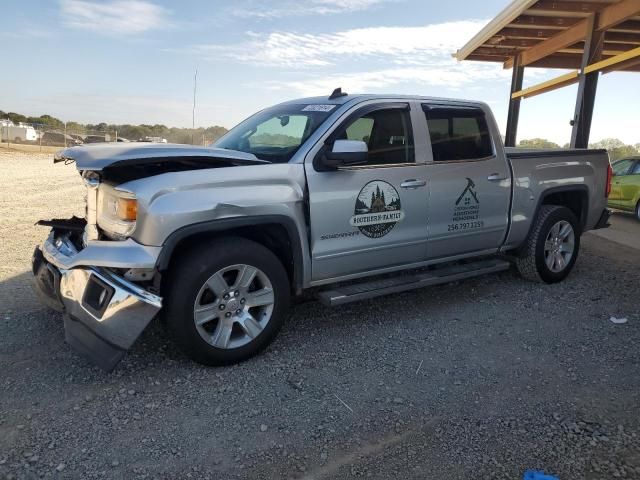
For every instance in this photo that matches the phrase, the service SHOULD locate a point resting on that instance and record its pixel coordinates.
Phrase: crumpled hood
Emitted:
(103, 155)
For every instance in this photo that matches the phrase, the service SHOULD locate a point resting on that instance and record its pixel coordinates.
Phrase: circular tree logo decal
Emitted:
(377, 210)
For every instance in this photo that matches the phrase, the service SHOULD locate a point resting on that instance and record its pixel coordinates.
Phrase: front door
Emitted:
(623, 182)
(629, 187)
(469, 183)
(372, 216)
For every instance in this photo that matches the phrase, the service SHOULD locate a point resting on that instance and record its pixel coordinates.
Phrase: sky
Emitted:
(133, 61)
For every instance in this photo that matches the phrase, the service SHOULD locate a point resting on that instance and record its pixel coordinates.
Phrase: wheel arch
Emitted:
(574, 197)
(278, 233)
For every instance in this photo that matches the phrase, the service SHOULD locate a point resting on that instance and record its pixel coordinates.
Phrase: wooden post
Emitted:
(514, 103)
(587, 86)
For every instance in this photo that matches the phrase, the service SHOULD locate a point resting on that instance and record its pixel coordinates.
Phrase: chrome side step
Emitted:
(402, 283)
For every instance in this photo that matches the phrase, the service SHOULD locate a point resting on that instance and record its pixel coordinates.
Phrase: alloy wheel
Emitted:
(559, 246)
(233, 306)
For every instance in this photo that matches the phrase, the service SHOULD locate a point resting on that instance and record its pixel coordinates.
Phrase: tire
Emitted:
(638, 211)
(215, 267)
(535, 256)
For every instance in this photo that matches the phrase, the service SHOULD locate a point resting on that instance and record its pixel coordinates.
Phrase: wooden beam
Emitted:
(618, 47)
(617, 37)
(630, 26)
(531, 21)
(569, 7)
(631, 65)
(540, 33)
(559, 60)
(611, 61)
(607, 17)
(487, 58)
(617, 13)
(553, 44)
(549, 85)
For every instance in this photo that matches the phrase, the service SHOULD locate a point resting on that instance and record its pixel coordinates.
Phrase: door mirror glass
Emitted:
(346, 152)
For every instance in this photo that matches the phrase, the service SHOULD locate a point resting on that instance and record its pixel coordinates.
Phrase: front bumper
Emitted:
(104, 314)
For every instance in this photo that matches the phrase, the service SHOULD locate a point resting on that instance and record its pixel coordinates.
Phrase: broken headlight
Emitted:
(117, 212)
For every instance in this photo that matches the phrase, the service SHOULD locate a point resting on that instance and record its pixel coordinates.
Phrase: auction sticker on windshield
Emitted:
(318, 108)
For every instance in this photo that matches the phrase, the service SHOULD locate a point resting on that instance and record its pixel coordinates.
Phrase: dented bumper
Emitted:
(104, 314)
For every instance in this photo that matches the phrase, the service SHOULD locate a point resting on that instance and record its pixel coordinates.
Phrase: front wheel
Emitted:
(226, 300)
(552, 247)
(638, 211)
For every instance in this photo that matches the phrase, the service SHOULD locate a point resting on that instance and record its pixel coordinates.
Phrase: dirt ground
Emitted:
(484, 378)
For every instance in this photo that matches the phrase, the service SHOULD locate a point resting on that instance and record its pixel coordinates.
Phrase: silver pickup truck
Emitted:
(352, 196)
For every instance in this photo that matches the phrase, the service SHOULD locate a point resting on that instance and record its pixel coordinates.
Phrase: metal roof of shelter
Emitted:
(584, 36)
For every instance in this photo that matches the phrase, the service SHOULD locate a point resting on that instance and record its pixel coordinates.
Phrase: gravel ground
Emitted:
(478, 379)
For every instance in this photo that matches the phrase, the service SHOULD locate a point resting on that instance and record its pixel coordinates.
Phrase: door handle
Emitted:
(496, 177)
(413, 183)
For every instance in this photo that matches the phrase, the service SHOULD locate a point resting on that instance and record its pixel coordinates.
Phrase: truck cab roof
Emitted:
(345, 99)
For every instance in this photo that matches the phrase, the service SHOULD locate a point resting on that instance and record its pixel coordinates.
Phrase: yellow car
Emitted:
(625, 185)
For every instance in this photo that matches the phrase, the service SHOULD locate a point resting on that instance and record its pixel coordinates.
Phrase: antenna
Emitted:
(193, 113)
(337, 93)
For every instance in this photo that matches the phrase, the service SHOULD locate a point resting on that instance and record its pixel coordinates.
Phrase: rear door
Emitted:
(621, 170)
(629, 187)
(469, 181)
(371, 216)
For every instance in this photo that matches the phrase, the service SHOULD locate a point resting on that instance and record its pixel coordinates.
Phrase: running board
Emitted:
(402, 283)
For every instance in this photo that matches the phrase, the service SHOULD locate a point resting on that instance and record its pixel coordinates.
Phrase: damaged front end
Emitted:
(81, 272)
(91, 268)
(104, 313)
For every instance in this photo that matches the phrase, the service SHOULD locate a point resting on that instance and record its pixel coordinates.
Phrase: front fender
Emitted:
(299, 246)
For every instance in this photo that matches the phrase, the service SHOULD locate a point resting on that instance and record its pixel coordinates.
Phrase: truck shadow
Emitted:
(33, 334)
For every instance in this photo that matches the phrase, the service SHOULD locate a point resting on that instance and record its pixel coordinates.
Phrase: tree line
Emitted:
(130, 132)
(617, 148)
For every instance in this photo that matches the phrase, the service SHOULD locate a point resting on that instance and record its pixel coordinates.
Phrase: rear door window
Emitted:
(622, 167)
(458, 133)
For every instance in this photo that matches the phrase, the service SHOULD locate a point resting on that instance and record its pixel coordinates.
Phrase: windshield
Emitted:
(275, 134)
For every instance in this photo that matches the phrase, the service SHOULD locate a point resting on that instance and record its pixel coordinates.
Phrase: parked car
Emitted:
(97, 138)
(59, 139)
(312, 193)
(153, 140)
(625, 186)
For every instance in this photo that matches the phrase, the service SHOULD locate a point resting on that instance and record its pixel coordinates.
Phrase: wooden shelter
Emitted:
(588, 37)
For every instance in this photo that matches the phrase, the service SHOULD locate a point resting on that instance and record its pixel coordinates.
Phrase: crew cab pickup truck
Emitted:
(352, 196)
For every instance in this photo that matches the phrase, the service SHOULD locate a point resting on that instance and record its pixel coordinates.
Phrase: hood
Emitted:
(102, 155)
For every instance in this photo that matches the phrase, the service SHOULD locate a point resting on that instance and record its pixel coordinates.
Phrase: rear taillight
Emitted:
(609, 178)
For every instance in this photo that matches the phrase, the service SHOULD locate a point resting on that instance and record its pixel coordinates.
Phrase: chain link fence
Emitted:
(43, 138)
(27, 135)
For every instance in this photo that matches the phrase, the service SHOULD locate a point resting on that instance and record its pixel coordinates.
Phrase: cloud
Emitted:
(452, 76)
(399, 45)
(363, 59)
(114, 17)
(290, 8)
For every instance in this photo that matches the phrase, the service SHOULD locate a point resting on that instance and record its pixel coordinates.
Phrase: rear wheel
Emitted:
(552, 247)
(638, 211)
(226, 300)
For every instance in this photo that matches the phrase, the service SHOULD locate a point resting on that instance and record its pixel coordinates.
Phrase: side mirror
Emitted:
(345, 153)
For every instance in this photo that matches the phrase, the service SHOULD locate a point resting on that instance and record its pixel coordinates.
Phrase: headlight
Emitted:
(117, 212)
